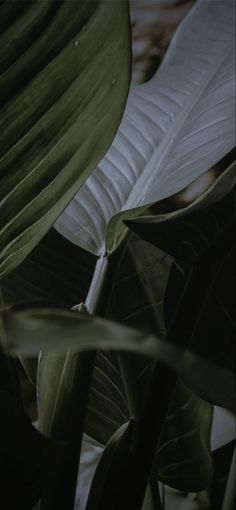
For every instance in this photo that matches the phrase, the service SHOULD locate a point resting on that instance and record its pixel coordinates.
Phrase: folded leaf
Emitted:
(175, 127)
(64, 83)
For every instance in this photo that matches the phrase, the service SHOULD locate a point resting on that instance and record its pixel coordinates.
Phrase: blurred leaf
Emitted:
(30, 331)
(64, 83)
(175, 127)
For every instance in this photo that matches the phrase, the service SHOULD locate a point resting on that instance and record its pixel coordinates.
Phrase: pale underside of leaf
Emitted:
(174, 128)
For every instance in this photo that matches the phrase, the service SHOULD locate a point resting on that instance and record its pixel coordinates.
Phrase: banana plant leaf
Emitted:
(64, 82)
(175, 127)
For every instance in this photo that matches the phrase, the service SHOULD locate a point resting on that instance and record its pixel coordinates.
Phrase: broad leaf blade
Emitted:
(174, 128)
(64, 84)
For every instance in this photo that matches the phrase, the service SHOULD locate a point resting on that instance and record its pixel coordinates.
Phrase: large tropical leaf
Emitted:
(64, 82)
(174, 128)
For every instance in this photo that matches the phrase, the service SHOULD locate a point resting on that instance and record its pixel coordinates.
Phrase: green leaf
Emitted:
(64, 82)
(33, 330)
(175, 127)
(107, 481)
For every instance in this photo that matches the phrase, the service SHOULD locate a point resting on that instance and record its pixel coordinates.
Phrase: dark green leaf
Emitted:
(107, 481)
(64, 83)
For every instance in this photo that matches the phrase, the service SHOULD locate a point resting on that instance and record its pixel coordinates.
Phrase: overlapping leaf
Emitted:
(174, 128)
(64, 82)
